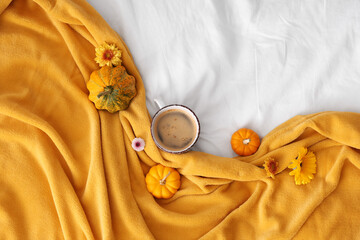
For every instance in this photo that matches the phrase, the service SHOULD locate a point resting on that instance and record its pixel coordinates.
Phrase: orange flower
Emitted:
(108, 54)
(271, 167)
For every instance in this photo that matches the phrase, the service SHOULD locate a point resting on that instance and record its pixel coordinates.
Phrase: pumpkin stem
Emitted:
(107, 90)
(246, 141)
(163, 181)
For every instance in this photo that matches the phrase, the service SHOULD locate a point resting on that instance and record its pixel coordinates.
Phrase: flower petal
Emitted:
(115, 58)
(138, 144)
(306, 168)
(271, 167)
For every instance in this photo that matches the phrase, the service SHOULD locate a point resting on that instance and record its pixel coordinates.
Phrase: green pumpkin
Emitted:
(111, 88)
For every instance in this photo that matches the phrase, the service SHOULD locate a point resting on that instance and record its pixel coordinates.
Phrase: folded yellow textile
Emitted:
(68, 171)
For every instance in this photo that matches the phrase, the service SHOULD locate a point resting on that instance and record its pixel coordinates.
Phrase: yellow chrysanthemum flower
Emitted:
(303, 167)
(108, 55)
(271, 167)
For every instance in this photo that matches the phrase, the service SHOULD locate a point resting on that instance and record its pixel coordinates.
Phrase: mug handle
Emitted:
(159, 103)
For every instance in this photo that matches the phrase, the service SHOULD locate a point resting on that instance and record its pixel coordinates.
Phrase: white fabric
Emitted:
(242, 63)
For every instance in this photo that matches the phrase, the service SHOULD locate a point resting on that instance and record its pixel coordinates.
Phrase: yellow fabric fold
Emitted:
(68, 171)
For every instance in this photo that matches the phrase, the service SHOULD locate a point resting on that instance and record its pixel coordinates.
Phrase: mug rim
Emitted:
(168, 150)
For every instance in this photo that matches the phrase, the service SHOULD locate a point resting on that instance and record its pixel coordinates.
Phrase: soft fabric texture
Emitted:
(242, 63)
(68, 171)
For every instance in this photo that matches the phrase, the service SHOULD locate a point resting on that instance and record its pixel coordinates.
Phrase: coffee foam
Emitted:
(175, 129)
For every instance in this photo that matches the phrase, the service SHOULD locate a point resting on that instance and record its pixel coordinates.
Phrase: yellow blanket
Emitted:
(68, 171)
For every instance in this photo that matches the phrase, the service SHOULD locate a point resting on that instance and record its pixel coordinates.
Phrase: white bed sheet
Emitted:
(242, 63)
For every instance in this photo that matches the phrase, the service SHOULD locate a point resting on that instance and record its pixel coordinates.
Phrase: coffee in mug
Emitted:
(175, 128)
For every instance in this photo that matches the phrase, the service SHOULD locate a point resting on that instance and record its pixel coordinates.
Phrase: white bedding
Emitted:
(240, 63)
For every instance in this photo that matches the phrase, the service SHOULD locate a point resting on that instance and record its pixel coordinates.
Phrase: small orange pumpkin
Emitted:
(245, 142)
(162, 182)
